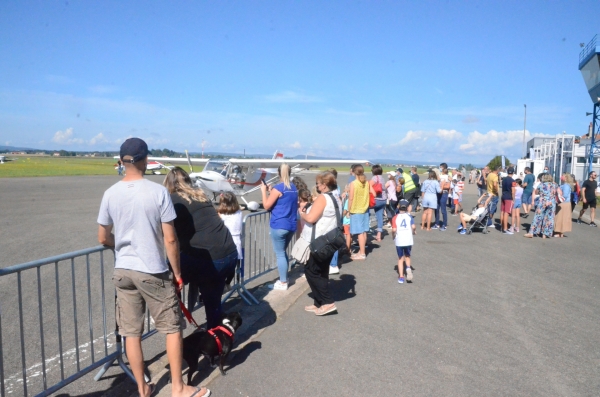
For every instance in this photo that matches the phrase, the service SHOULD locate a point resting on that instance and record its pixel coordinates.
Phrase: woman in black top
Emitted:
(208, 252)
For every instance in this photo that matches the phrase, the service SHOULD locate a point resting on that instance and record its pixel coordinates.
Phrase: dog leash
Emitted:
(186, 312)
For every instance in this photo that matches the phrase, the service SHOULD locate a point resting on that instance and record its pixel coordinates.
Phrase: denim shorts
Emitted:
(517, 204)
(429, 202)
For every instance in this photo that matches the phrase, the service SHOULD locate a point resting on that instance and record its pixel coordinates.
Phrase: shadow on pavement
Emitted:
(343, 288)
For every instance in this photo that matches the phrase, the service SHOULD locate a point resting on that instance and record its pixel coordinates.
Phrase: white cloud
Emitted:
(292, 97)
(296, 145)
(496, 142)
(7, 143)
(66, 137)
(413, 136)
(448, 135)
(100, 138)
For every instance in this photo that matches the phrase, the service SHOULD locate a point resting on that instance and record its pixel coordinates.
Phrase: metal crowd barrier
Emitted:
(57, 316)
(259, 256)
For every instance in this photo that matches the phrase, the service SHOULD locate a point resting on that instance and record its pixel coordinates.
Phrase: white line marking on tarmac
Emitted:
(14, 382)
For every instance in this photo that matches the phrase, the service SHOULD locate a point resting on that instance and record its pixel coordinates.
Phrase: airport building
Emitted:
(564, 154)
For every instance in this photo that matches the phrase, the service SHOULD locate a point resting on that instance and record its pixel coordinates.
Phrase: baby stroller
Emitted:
(480, 222)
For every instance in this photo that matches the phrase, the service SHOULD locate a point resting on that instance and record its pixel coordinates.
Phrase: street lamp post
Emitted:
(524, 128)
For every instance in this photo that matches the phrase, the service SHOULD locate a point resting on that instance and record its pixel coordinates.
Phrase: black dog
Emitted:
(216, 342)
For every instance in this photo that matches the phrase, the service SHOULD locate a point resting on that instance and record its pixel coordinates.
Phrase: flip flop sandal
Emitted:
(152, 387)
(198, 389)
(358, 257)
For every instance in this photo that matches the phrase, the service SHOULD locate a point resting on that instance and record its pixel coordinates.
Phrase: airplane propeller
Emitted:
(189, 161)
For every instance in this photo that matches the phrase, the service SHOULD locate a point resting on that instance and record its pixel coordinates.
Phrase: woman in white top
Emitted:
(322, 216)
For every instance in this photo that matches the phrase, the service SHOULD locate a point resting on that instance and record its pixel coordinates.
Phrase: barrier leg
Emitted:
(103, 370)
(119, 360)
(245, 291)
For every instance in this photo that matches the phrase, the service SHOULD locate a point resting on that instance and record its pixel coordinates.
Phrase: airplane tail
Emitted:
(277, 155)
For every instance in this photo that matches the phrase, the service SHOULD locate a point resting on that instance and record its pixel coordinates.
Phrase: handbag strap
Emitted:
(337, 217)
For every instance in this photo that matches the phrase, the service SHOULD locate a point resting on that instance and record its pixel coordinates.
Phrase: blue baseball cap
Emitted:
(134, 147)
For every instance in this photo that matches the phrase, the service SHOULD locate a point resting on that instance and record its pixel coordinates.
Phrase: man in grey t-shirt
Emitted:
(142, 214)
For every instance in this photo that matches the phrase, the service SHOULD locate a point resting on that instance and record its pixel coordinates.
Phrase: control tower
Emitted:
(589, 65)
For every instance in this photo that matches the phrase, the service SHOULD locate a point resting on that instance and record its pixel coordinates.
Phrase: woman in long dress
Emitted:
(543, 221)
(564, 210)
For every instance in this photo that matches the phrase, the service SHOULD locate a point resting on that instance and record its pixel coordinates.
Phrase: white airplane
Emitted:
(2, 159)
(244, 176)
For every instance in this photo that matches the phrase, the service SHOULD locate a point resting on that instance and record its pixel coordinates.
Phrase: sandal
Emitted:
(326, 309)
(152, 387)
(528, 235)
(358, 257)
(198, 389)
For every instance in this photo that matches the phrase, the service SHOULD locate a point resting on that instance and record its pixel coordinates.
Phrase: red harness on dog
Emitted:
(227, 332)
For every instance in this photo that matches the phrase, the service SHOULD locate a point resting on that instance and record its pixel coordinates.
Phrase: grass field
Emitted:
(30, 166)
(25, 166)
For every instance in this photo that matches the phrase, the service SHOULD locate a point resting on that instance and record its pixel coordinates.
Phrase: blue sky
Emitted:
(415, 80)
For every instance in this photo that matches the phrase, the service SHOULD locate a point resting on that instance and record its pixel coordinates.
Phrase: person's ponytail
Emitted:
(359, 171)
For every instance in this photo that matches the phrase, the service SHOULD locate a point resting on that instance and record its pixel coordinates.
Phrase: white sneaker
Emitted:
(279, 286)
(408, 274)
(334, 270)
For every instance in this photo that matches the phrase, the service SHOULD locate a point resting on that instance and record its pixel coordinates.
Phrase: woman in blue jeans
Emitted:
(207, 250)
(380, 198)
(444, 179)
(283, 204)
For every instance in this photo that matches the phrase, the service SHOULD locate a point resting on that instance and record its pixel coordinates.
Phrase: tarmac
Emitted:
(490, 315)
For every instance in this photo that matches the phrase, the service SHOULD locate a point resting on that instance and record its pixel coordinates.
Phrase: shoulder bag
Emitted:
(323, 247)
(301, 250)
(377, 188)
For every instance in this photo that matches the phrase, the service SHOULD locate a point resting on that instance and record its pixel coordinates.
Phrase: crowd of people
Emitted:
(552, 201)
(171, 235)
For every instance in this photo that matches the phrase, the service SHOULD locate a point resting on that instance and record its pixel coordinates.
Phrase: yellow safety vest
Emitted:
(409, 184)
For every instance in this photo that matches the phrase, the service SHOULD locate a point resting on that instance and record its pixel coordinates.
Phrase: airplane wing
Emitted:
(174, 160)
(178, 160)
(305, 164)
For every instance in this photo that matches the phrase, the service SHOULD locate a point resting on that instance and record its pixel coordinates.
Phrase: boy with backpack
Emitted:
(403, 229)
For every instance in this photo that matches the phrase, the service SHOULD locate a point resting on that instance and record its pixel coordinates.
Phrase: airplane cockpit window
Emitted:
(216, 166)
(237, 176)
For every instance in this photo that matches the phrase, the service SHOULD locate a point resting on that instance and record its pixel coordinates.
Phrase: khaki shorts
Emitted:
(135, 290)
